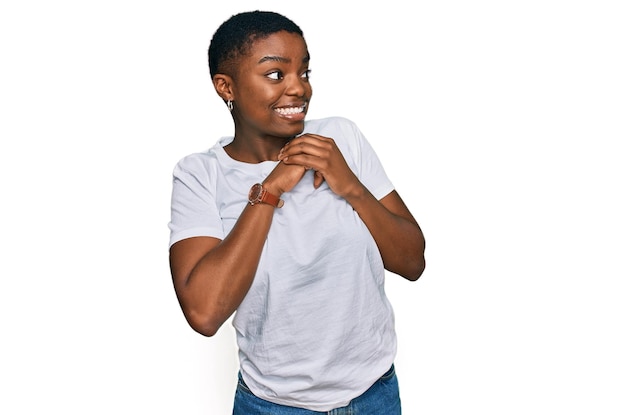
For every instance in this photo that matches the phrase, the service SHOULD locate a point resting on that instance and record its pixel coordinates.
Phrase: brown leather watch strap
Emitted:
(259, 194)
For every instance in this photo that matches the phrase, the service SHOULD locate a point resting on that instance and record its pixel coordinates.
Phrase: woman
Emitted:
(290, 224)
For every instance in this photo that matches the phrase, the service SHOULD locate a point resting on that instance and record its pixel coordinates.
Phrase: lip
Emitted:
(292, 112)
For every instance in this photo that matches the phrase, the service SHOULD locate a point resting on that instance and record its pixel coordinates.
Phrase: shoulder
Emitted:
(194, 163)
(202, 160)
(329, 123)
(340, 129)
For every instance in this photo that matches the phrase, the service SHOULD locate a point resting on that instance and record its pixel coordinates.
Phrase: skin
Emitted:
(212, 276)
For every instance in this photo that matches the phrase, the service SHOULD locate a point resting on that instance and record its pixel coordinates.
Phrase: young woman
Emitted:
(290, 224)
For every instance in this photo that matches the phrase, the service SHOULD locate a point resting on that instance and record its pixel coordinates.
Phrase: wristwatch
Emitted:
(259, 194)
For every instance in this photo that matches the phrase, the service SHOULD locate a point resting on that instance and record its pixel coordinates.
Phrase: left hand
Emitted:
(322, 155)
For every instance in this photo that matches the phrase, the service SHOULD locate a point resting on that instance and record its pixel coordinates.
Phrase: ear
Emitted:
(223, 85)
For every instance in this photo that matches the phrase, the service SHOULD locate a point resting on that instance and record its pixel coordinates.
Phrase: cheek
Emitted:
(308, 87)
(262, 96)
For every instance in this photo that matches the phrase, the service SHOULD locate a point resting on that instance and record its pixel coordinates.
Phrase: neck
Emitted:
(255, 150)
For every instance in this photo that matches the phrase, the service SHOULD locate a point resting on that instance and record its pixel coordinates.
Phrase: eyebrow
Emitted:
(281, 59)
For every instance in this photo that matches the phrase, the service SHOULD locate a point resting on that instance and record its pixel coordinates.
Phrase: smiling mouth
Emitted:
(290, 110)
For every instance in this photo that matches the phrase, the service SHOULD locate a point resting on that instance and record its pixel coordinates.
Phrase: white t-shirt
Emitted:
(315, 329)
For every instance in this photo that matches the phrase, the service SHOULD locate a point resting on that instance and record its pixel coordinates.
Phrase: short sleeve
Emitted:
(369, 168)
(194, 209)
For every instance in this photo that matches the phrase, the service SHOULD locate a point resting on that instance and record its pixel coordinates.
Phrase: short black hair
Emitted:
(235, 36)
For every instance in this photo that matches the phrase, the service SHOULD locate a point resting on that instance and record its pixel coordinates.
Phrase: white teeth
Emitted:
(289, 111)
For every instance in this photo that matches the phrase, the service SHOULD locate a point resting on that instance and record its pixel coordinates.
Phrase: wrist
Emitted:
(260, 193)
(271, 187)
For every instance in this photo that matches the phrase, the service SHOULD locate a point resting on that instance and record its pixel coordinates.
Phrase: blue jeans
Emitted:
(382, 398)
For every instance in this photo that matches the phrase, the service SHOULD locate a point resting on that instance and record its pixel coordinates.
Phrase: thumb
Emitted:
(318, 179)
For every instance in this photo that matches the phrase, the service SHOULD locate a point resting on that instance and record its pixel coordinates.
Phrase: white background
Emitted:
(501, 124)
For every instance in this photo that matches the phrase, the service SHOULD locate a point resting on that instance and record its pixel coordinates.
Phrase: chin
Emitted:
(293, 130)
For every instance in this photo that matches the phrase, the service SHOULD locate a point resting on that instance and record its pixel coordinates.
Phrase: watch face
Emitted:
(255, 193)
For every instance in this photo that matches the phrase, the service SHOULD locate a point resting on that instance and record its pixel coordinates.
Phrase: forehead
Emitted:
(280, 44)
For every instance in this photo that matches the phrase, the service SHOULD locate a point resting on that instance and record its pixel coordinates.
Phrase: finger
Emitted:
(314, 136)
(315, 148)
(305, 160)
(318, 179)
(312, 139)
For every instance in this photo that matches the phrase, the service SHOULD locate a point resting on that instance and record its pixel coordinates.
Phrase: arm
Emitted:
(396, 232)
(211, 276)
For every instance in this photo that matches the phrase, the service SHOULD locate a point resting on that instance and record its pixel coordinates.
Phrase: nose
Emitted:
(297, 86)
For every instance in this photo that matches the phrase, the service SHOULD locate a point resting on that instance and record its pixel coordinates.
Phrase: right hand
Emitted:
(283, 178)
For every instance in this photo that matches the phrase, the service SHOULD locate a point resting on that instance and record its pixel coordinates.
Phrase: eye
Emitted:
(275, 75)
(306, 74)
